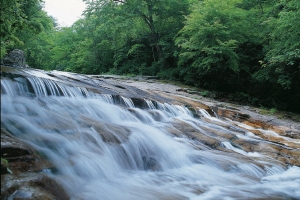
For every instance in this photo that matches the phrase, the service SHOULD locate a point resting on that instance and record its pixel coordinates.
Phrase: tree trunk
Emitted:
(155, 36)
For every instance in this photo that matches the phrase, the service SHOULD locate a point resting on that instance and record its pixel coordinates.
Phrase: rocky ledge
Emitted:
(21, 172)
(28, 180)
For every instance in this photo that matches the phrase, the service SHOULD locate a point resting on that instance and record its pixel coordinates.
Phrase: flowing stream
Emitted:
(101, 149)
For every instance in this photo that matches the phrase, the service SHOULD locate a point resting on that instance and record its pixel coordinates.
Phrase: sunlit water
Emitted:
(143, 160)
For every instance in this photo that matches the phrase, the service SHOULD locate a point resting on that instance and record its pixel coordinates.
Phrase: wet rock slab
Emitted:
(20, 157)
(31, 186)
(26, 182)
(21, 176)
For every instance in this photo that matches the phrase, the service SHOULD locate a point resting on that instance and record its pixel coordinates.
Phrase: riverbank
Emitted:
(286, 122)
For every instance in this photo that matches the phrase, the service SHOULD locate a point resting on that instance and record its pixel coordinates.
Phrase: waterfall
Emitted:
(103, 150)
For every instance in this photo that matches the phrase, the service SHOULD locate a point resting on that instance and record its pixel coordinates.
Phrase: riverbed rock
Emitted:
(21, 176)
(31, 186)
(151, 164)
(20, 157)
(109, 133)
(27, 181)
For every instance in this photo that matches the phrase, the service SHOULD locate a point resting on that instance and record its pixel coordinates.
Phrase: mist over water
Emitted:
(101, 149)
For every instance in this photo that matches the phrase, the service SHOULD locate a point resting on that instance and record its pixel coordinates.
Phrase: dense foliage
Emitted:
(242, 48)
(21, 21)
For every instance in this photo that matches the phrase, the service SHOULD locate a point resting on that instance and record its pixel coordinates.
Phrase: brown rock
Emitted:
(109, 132)
(20, 157)
(25, 182)
(31, 186)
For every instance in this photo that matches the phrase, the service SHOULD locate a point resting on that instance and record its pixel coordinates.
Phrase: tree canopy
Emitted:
(242, 47)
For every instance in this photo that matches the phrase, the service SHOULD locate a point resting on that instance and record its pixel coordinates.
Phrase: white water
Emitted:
(147, 162)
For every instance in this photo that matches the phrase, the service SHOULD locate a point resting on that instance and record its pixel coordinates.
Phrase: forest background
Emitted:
(244, 50)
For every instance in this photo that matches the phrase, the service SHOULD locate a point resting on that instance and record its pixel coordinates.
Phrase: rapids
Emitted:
(101, 148)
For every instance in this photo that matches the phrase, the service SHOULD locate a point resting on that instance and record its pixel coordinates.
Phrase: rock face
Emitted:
(15, 58)
(26, 181)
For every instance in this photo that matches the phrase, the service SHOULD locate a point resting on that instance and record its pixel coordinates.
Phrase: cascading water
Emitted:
(100, 150)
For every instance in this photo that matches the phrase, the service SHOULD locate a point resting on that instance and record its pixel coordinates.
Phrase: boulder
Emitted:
(15, 58)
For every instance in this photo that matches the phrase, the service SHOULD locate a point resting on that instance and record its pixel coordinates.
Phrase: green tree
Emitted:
(210, 42)
(17, 15)
(37, 45)
(280, 69)
(140, 33)
(282, 61)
